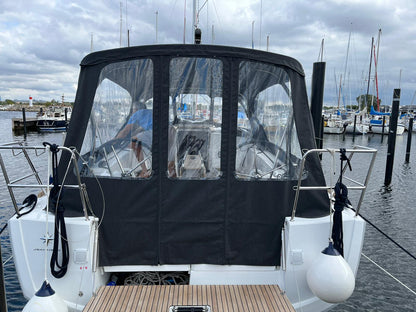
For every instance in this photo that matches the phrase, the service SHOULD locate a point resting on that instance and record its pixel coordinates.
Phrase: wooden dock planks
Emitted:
(221, 298)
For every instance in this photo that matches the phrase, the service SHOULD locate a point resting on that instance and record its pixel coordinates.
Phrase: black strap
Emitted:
(31, 200)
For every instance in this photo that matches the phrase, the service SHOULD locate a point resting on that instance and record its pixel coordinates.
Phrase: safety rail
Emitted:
(329, 188)
(39, 150)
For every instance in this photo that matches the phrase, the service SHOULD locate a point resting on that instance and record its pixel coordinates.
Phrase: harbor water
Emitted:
(392, 210)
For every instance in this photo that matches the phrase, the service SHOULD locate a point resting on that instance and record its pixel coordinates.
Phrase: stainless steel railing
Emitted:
(356, 185)
(17, 148)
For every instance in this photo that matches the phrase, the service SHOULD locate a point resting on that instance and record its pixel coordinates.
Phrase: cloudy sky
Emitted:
(43, 41)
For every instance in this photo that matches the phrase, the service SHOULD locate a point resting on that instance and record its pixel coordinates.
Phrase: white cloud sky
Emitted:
(42, 42)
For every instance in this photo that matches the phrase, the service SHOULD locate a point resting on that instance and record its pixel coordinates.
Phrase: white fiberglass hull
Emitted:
(359, 129)
(28, 241)
(378, 129)
(334, 130)
(302, 239)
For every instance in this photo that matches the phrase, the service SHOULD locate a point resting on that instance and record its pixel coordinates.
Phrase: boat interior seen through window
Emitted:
(118, 141)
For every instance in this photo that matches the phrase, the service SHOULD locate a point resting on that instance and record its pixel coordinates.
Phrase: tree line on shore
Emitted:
(36, 104)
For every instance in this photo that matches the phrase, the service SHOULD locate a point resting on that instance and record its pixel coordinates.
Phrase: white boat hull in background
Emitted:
(378, 129)
(333, 130)
(359, 128)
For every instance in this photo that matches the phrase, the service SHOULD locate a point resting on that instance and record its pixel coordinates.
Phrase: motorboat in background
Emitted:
(226, 197)
(54, 118)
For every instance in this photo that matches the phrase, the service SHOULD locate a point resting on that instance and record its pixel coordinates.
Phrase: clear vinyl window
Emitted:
(118, 140)
(267, 146)
(195, 118)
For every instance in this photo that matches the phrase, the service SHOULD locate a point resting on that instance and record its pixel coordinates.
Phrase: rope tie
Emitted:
(341, 201)
(58, 270)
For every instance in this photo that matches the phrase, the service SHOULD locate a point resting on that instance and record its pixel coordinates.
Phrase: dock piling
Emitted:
(392, 136)
(66, 118)
(24, 123)
(353, 130)
(409, 139)
(382, 128)
(317, 99)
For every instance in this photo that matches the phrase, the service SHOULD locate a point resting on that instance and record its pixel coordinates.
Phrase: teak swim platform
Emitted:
(214, 298)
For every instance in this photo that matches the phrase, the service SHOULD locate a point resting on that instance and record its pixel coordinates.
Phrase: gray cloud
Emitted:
(43, 41)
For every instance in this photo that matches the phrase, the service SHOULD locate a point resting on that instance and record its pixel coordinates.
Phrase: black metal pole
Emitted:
(392, 137)
(382, 128)
(321, 142)
(66, 118)
(353, 130)
(409, 139)
(24, 122)
(3, 300)
(317, 99)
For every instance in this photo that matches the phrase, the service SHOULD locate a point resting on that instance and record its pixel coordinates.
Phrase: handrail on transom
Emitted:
(332, 151)
(19, 146)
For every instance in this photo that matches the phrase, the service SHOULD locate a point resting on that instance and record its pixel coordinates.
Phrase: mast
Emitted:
(184, 22)
(156, 13)
(345, 69)
(267, 43)
(127, 27)
(339, 92)
(321, 51)
(261, 20)
(369, 72)
(376, 79)
(121, 21)
(252, 34)
(194, 17)
(375, 66)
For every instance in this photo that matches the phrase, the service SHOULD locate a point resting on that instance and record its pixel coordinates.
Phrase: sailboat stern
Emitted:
(304, 240)
(31, 234)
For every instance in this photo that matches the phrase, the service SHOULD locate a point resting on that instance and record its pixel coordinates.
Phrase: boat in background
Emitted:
(404, 120)
(380, 123)
(360, 120)
(334, 126)
(360, 128)
(227, 197)
(54, 118)
(335, 122)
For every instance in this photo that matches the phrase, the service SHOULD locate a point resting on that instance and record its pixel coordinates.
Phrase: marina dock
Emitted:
(166, 298)
(18, 124)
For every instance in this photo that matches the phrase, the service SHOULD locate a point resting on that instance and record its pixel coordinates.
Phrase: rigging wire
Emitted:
(216, 13)
(387, 236)
(7, 260)
(389, 274)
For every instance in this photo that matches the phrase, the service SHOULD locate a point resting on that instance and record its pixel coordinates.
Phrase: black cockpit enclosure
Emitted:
(190, 153)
